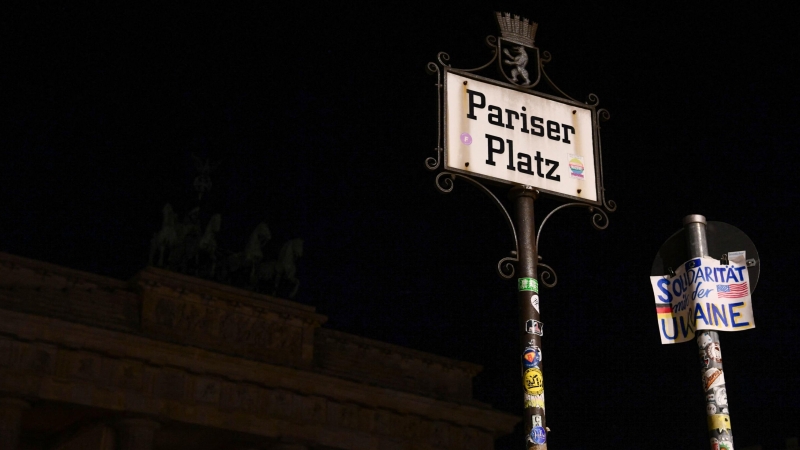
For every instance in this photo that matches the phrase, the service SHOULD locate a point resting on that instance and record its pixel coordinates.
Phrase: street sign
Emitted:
(506, 133)
(498, 132)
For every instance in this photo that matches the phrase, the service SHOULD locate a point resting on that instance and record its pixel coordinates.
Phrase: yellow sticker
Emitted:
(719, 422)
(533, 381)
(534, 401)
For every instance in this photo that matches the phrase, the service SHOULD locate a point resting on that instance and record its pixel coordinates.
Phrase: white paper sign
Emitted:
(703, 295)
(516, 137)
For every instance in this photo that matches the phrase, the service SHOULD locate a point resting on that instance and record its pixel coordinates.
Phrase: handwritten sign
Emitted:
(703, 295)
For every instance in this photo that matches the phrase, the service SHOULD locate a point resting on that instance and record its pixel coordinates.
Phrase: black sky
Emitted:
(321, 118)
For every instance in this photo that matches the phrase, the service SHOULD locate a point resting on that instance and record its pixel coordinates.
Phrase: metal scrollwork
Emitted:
(505, 267)
(443, 59)
(546, 273)
(515, 53)
(553, 85)
(432, 68)
(496, 202)
(432, 163)
(610, 205)
(603, 115)
(492, 42)
(599, 218)
(444, 182)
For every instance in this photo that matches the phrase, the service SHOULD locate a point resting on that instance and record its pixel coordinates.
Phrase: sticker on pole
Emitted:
(528, 284)
(538, 435)
(532, 381)
(535, 302)
(703, 295)
(534, 327)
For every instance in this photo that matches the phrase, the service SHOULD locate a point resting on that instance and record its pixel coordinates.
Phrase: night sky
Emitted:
(321, 117)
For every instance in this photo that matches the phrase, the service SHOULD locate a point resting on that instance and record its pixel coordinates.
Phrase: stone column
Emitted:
(136, 434)
(11, 422)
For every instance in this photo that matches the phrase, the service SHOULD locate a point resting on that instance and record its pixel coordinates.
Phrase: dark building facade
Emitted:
(168, 361)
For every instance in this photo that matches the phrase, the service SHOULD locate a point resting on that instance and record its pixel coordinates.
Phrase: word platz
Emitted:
(517, 137)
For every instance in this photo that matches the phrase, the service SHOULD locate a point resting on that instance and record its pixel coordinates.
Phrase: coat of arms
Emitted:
(519, 59)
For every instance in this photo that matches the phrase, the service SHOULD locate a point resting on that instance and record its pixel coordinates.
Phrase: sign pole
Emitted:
(531, 327)
(503, 131)
(719, 422)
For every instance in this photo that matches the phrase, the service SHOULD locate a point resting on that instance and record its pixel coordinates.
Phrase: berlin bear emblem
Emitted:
(518, 34)
(518, 62)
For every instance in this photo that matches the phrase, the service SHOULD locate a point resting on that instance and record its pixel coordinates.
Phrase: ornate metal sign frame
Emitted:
(595, 133)
(445, 178)
(524, 258)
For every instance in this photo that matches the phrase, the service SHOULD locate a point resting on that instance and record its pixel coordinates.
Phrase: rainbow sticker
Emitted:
(576, 167)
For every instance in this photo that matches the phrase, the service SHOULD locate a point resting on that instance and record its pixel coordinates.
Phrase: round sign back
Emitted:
(721, 237)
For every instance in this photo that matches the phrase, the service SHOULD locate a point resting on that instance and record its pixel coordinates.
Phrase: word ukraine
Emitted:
(703, 295)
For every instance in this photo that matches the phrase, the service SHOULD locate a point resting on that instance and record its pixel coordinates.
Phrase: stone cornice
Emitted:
(366, 360)
(171, 321)
(153, 277)
(339, 337)
(58, 274)
(117, 345)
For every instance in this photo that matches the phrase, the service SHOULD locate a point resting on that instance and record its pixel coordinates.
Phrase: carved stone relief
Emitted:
(217, 327)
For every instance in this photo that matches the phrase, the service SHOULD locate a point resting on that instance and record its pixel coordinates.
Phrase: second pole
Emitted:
(531, 328)
(719, 420)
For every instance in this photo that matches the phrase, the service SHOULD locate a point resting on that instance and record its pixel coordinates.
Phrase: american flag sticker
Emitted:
(732, 290)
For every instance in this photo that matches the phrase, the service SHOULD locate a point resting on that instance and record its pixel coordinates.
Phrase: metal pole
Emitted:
(719, 422)
(531, 329)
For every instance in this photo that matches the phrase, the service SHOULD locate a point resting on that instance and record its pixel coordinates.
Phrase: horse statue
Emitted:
(188, 233)
(208, 242)
(165, 239)
(284, 269)
(252, 254)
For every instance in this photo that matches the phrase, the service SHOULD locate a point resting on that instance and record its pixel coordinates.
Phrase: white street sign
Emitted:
(515, 137)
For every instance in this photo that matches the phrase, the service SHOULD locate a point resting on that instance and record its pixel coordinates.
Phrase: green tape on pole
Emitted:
(528, 284)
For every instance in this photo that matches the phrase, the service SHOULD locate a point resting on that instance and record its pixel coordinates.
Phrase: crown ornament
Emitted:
(515, 30)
